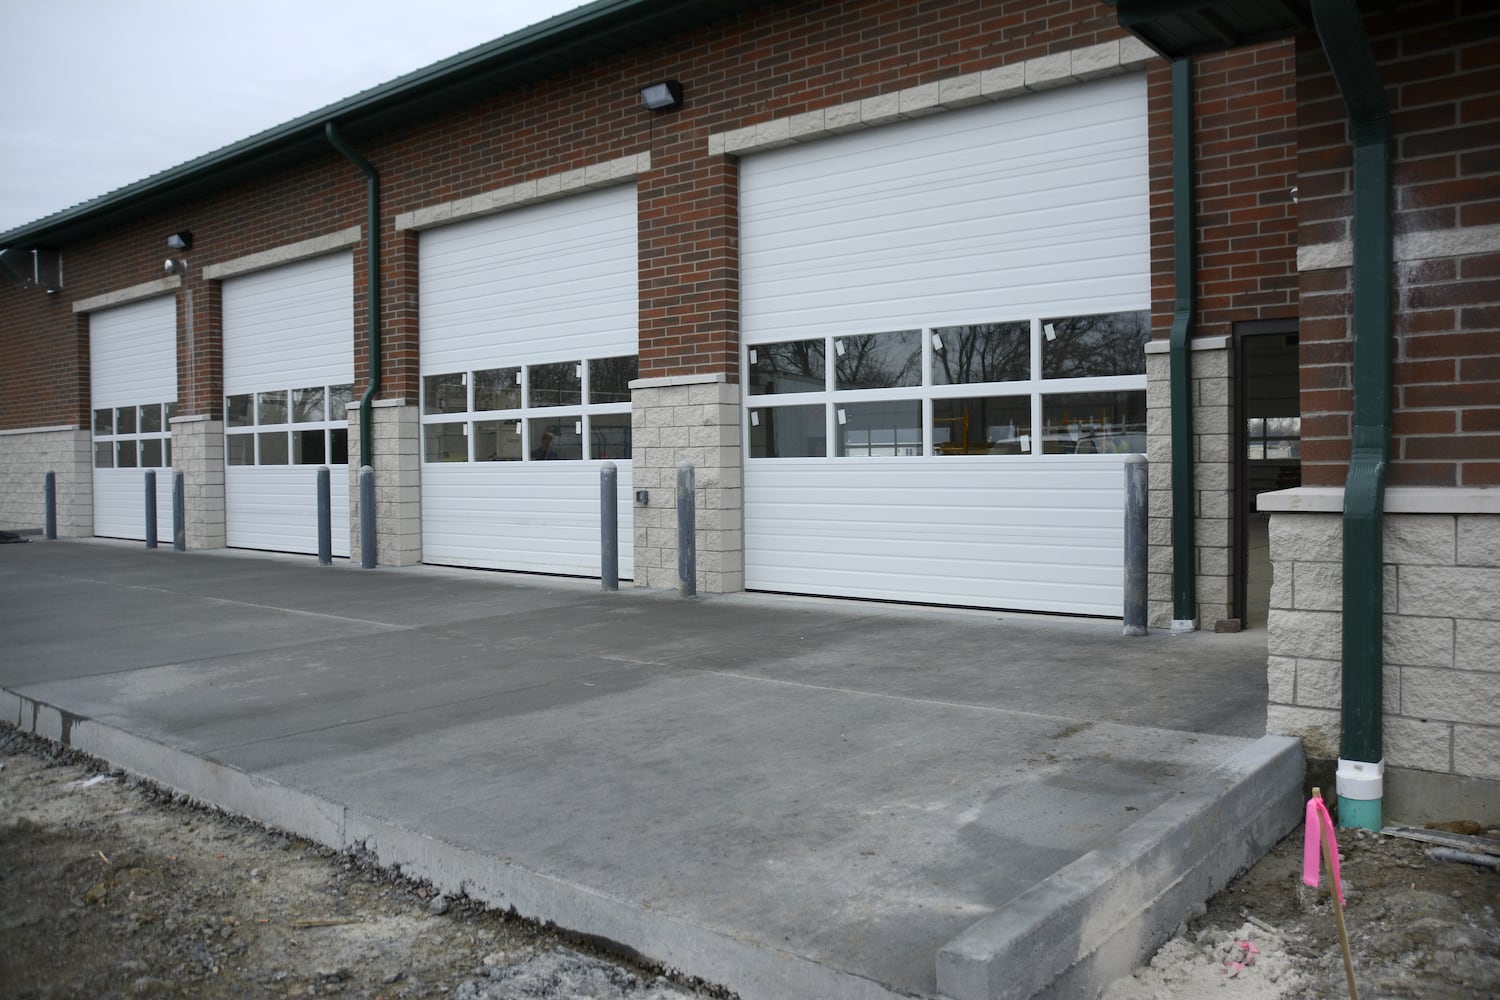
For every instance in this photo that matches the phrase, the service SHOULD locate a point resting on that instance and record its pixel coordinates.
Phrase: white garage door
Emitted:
(944, 325)
(528, 346)
(288, 374)
(133, 387)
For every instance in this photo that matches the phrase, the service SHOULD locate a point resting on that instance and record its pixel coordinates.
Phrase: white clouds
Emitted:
(102, 93)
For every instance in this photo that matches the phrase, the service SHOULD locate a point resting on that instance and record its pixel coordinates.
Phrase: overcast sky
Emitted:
(101, 93)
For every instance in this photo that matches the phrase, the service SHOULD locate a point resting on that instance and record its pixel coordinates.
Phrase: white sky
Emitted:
(101, 93)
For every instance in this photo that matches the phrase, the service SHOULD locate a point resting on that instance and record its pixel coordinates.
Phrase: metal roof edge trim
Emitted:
(537, 36)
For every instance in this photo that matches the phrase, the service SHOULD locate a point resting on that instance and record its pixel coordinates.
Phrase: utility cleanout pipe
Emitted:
(1361, 765)
(1184, 586)
(372, 235)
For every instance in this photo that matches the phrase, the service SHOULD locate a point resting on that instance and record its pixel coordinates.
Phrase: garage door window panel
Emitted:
(307, 405)
(610, 378)
(1094, 423)
(1094, 346)
(446, 393)
(497, 441)
(556, 438)
(878, 360)
(981, 352)
(789, 432)
(446, 442)
(791, 366)
(610, 436)
(982, 425)
(497, 389)
(555, 384)
(879, 429)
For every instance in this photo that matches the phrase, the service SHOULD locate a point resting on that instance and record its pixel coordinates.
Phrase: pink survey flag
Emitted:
(1319, 822)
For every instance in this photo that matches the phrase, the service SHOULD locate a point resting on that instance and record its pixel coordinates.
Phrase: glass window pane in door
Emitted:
(610, 378)
(497, 389)
(1094, 423)
(791, 366)
(788, 432)
(557, 384)
(609, 436)
(447, 393)
(497, 441)
(878, 360)
(985, 425)
(307, 405)
(445, 443)
(273, 447)
(555, 438)
(124, 420)
(884, 429)
(1106, 344)
(270, 408)
(981, 352)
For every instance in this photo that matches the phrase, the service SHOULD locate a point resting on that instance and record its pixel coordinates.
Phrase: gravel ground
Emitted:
(111, 887)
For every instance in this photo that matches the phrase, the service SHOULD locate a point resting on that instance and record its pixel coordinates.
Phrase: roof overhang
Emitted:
(1177, 28)
(590, 34)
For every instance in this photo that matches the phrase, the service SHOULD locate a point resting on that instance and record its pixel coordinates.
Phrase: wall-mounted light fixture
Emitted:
(663, 96)
(177, 266)
(180, 241)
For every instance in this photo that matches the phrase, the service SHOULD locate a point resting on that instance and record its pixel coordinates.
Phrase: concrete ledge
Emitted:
(532, 192)
(287, 254)
(1398, 500)
(1012, 80)
(669, 381)
(1102, 915)
(1219, 343)
(755, 972)
(42, 430)
(134, 293)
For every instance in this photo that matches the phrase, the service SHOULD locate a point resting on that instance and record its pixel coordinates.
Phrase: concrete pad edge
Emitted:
(1100, 916)
(752, 970)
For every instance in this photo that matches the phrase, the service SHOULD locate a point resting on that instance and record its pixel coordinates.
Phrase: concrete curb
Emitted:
(1101, 916)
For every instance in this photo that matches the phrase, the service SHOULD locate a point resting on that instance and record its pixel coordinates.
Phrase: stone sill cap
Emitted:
(54, 429)
(1218, 343)
(668, 381)
(1398, 500)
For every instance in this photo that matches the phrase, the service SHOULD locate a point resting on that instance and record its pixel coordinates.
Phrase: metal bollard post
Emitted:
(609, 528)
(179, 512)
(49, 501)
(1137, 549)
(366, 517)
(687, 536)
(325, 517)
(150, 508)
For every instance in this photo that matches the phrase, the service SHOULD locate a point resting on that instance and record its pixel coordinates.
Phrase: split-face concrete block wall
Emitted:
(26, 456)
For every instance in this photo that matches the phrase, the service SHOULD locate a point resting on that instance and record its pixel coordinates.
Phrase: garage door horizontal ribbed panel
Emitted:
(120, 503)
(132, 362)
(1016, 211)
(1029, 536)
(1033, 206)
(537, 517)
(285, 328)
(548, 282)
(133, 354)
(290, 326)
(275, 508)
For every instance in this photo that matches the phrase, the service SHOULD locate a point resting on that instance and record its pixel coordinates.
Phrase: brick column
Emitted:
(198, 451)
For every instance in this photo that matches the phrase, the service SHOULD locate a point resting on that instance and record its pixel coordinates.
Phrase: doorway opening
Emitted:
(1268, 451)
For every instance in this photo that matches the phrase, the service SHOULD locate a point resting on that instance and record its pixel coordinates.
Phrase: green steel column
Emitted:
(1184, 587)
(372, 235)
(1361, 752)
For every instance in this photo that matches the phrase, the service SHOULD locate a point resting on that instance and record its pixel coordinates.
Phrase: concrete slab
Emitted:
(793, 798)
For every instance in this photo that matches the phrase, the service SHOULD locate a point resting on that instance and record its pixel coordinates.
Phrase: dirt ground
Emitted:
(111, 887)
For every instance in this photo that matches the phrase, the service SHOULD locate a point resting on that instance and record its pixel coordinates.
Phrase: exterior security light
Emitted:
(664, 96)
(175, 266)
(180, 241)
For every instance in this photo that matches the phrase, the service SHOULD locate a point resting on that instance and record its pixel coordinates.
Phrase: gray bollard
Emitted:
(49, 502)
(366, 517)
(325, 517)
(609, 528)
(150, 508)
(1137, 549)
(179, 512)
(687, 535)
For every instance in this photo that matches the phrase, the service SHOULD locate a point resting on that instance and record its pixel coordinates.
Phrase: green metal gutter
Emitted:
(372, 264)
(1184, 586)
(1361, 753)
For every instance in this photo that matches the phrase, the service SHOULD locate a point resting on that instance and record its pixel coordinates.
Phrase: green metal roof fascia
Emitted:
(1176, 28)
(559, 32)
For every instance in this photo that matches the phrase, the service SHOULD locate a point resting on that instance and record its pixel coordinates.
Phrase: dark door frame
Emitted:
(1241, 549)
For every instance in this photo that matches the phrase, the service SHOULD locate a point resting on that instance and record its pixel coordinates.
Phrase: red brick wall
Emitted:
(1440, 63)
(773, 60)
(1245, 160)
(44, 377)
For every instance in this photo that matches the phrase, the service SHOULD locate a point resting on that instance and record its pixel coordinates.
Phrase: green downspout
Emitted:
(1184, 602)
(1361, 753)
(372, 235)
